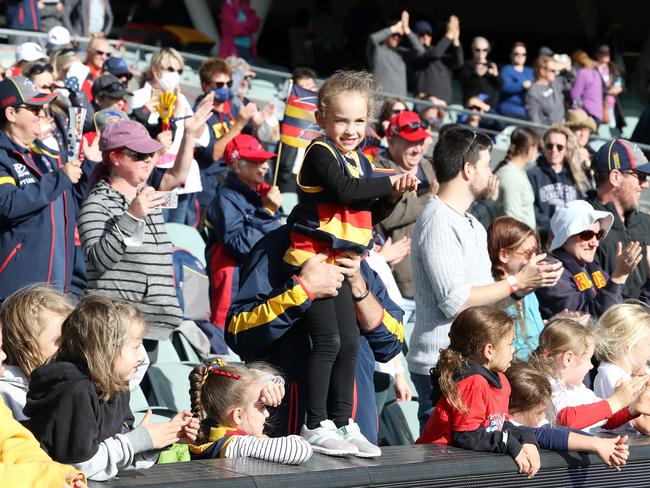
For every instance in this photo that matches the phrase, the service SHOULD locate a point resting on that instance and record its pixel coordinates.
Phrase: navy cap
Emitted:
(108, 85)
(622, 155)
(116, 66)
(423, 27)
(17, 90)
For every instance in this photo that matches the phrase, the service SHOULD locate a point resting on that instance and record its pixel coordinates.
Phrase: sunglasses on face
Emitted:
(475, 108)
(587, 235)
(99, 52)
(38, 69)
(480, 50)
(35, 109)
(397, 111)
(527, 254)
(222, 84)
(641, 177)
(172, 70)
(136, 156)
(550, 145)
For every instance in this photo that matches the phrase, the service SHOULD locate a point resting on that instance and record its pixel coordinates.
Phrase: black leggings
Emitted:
(333, 329)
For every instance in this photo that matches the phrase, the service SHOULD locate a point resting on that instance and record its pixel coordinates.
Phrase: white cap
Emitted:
(58, 36)
(575, 217)
(30, 51)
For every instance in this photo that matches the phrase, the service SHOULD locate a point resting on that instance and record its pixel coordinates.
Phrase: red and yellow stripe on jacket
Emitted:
(320, 224)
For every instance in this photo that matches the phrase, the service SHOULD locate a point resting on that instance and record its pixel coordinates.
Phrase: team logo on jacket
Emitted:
(496, 421)
(583, 282)
(21, 170)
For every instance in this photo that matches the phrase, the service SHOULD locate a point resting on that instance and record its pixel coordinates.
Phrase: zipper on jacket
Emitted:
(13, 252)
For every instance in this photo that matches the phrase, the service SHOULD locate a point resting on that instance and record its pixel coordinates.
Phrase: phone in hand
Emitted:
(170, 199)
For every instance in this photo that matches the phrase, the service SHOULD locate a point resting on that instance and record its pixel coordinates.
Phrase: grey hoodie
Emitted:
(13, 388)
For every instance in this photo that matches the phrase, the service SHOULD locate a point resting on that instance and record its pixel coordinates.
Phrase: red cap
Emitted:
(408, 126)
(246, 147)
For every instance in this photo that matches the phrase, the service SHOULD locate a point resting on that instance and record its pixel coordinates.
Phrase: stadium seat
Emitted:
(167, 353)
(171, 385)
(400, 423)
(188, 351)
(188, 238)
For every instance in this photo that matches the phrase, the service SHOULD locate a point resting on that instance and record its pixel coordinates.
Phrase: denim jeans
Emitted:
(422, 383)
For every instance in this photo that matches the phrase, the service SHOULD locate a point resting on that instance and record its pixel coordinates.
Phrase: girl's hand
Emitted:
(522, 461)
(621, 453)
(641, 406)
(75, 480)
(613, 452)
(626, 392)
(536, 274)
(190, 429)
(272, 394)
(533, 459)
(162, 435)
(403, 183)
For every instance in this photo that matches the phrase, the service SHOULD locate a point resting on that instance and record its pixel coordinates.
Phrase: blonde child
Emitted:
(564, 356)
(341, 197)
(78, 403)
(624, 349)
(471, 392)
(231, 402)
(529, 399)
(22, 461)
(31, 321)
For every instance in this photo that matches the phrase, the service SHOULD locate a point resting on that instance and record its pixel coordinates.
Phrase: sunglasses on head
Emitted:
(587, 235)
(172, 70)
(411, 125)
(38, 69)
(135, 155)
(222, 84)
(549, 146)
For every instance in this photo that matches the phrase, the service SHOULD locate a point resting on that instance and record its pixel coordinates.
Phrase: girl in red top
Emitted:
(471, 392)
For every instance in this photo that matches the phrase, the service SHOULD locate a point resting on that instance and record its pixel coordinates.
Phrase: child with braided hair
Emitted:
(231, 401)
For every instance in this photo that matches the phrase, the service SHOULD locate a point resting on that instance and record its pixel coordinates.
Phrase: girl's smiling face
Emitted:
(346, 120)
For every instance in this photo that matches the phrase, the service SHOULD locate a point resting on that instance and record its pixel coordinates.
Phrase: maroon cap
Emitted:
(408, 126)
(246, 147)
(129, 134)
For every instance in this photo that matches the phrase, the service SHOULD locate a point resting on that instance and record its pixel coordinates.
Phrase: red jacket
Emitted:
(231, 27)
(485, 426)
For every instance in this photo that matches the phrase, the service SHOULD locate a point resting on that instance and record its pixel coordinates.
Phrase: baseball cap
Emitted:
(30, 51)
(109, 86)
(407, 125)
(107, 116)
(422, 27)
(622, 155)
(17, 90)
(116, 67)
(246, 147)
(129, 134)
(575, 217)
(58, 36)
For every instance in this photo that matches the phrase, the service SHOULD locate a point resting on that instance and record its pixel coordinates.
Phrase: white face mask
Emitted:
(169, 80)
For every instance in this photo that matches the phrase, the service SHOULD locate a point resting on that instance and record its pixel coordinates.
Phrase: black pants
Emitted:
(334, 333)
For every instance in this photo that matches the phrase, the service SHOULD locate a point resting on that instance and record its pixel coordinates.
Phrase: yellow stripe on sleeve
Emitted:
(7, 180)
(347, 231)
(268, 311)
(394, 326)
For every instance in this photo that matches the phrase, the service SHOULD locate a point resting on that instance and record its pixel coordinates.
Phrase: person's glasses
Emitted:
(518, 53)
(480, 49)
(587, 235)
(468, 148)
(397, 111)
(135, 155)
(47, 87)
(38, 69)
(642, 177)
(527, 254)
(550, 145)
(99, 52)
(475, 108)
(172, 70)
(35, 109)
(222, 84)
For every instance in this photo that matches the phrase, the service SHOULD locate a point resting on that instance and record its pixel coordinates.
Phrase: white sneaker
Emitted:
(353, 435)
(327, 440)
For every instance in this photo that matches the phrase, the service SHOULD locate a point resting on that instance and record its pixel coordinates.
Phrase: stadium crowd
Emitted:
(510, 276)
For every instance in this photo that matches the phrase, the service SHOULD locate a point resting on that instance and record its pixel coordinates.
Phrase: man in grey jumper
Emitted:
(450, 262)
(387, 57)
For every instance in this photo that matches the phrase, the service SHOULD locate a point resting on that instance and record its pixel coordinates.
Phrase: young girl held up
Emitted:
(341, 196)
(471, 392)
(231, 401)
(623, 348)
(78, 403)
(31, 319)
(529, 399)
(564, 356)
